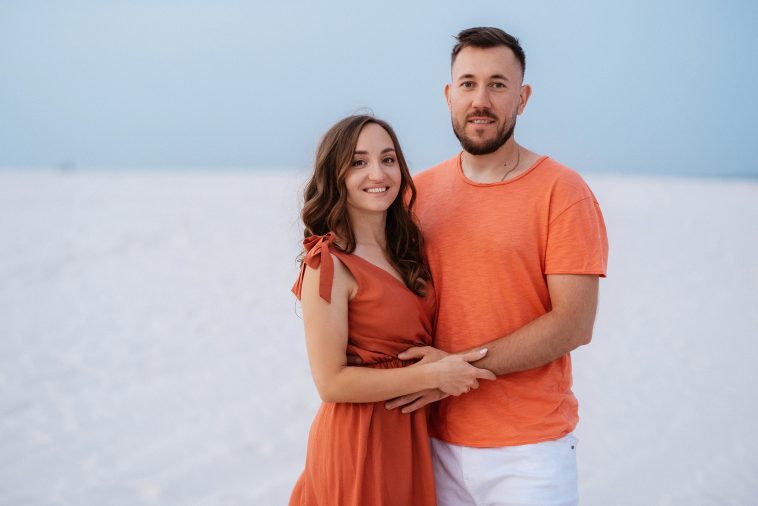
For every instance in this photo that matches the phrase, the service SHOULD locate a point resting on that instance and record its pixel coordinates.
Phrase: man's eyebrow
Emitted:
(494, 76)
(385, 150)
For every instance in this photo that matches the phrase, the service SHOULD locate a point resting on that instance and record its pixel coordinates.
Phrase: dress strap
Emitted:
(317, 254)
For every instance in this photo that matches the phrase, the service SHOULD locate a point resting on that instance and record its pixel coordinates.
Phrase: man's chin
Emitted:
(481, 147)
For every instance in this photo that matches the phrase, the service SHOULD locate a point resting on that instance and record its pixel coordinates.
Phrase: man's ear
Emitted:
(526, 92)
(447, 97)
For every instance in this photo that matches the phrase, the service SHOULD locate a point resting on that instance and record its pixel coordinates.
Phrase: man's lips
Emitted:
(480, 121)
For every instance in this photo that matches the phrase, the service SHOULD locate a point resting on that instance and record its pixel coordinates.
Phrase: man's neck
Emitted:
(508, 162)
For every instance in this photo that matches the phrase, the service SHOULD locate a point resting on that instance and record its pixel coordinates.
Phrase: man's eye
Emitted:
(498, 85)
(467, 84)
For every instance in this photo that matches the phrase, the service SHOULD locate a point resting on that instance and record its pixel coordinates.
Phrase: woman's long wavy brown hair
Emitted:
(325, 201)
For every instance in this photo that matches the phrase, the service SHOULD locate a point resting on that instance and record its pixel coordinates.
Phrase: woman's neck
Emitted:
(369, 229)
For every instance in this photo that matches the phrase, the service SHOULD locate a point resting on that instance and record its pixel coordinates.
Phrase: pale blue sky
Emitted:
(644, 86)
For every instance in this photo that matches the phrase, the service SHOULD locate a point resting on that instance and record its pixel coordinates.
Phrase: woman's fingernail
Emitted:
(483, 351)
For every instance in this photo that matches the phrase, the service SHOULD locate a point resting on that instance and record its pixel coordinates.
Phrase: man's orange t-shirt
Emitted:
(490, 248)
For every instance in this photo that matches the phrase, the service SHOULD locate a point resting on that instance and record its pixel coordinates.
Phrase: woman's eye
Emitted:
(358, 163)
(388, 160)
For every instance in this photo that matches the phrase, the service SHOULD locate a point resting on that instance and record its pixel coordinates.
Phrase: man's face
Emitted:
(485, 97)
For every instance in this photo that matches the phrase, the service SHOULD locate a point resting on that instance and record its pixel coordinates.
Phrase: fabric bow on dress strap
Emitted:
(317, 254)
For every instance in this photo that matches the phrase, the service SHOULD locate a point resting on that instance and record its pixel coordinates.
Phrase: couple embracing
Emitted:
(440, 311)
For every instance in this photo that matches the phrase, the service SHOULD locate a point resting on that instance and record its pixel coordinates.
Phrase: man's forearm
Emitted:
(537, 343)
(565, 327)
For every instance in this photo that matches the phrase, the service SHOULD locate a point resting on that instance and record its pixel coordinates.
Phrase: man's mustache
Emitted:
(481, 113)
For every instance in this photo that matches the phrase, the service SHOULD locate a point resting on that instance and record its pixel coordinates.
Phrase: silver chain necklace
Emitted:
(518, 160)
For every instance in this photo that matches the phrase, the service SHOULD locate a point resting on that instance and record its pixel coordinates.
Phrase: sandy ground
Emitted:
(152, 352)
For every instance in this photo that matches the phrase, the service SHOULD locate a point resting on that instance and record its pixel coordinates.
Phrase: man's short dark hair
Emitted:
(485, 37)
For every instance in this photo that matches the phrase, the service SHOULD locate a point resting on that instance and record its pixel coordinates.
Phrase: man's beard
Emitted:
(471, 146)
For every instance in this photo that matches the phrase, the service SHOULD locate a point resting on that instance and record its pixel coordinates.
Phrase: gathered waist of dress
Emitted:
(389, 363)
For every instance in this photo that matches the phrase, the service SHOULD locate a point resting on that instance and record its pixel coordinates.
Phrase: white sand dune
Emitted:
(152, 352)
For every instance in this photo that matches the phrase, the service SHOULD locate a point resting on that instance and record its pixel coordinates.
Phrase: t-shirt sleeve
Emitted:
(577, 242)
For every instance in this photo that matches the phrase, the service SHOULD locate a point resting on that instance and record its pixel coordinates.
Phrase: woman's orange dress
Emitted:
(361, 454)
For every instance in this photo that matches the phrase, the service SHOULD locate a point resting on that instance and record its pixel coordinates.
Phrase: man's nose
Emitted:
(481, 98)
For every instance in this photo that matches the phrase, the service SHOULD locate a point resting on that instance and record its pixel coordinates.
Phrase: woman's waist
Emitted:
(382, 352)
(378, 359)
(388, 363)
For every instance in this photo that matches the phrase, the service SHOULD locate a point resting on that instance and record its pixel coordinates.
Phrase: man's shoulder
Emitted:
(562, 177)
(556, 170)
(564, 186)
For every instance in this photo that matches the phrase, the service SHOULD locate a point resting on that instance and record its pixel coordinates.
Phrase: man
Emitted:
(516, 243)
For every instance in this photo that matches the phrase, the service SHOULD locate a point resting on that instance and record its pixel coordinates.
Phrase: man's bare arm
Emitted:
(564, 328)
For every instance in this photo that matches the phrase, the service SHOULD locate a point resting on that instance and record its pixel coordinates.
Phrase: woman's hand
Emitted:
(457, 376)
(412, 402)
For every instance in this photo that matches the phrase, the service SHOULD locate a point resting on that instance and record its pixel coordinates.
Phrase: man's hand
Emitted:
(412, 402)
(427, 354)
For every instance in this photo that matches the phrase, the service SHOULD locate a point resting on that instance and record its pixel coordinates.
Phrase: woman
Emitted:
(366, 291)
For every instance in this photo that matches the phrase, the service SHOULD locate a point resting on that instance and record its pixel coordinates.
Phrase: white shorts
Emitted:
(534, 474)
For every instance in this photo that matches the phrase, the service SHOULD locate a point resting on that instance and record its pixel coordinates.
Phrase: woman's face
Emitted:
(373, 179)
